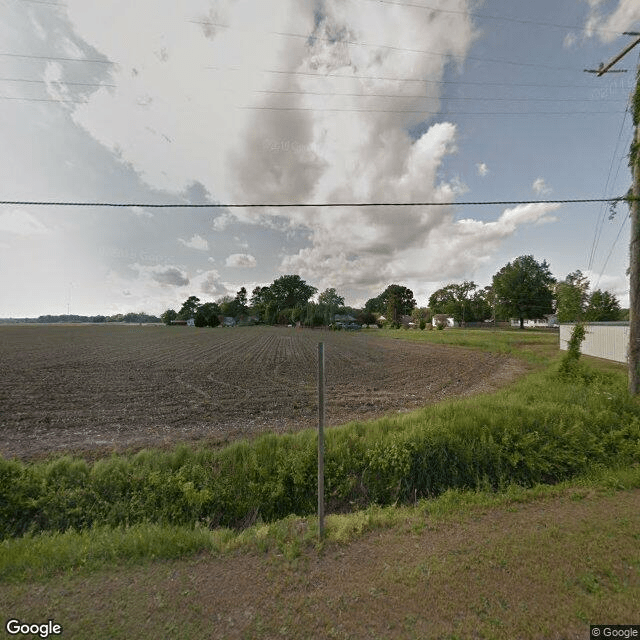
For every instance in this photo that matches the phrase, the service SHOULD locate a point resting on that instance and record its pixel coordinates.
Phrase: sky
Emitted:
(277, 102)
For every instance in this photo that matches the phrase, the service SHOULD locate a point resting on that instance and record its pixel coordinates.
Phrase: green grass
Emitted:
(534, 346)
(43, 555)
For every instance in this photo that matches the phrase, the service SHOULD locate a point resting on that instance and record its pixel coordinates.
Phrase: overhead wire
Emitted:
(280, 205)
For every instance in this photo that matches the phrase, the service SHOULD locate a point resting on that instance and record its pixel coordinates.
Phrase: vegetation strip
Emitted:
(39, 556)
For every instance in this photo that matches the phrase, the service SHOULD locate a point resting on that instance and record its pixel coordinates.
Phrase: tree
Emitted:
(241, 301)
(461, 301)
(396, 301)
(602, 306)
(207, 315)
(189, 308)
(523, 288)
(328, 304)
(571, 297)
(291, 291)
(169, 316)
(330, 298)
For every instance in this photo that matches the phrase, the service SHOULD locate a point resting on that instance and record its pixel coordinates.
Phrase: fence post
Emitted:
(320, 440)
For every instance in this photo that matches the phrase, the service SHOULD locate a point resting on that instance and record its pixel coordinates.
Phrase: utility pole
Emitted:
(634, 244)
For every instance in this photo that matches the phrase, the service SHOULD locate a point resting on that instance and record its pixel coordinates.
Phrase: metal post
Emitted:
(320, 440)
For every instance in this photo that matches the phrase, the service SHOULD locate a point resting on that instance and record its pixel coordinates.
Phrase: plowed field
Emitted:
(92, 389)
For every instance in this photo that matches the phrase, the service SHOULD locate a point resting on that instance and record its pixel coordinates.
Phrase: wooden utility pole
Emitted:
(634, 244)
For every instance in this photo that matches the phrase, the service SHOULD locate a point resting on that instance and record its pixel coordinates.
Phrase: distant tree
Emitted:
(523, 288)
(602, 306)
(169, 316)
(571, 297)
(330, 298)
(397, 301)
(375, 305)
(189, 308)
(227, 306)
(463, 302)
(207, 315)
(241, 301)
(291, 291)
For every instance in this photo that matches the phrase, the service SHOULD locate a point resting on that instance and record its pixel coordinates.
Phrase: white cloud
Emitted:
(483, 170)
(608, 27)
(221, 222)
(141, 212)
(540, 187)
(196, 242)
(334, 148)
(22, 223)
(241, 260)
(569, 40)
(164, 275)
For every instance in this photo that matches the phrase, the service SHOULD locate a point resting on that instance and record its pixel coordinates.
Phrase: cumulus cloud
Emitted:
(483, 170)
(314, 132)
(22, 223)
(607, 27)
(241, 260)
(165, 275)
(221, 222)
(540, 187)
(196, 242)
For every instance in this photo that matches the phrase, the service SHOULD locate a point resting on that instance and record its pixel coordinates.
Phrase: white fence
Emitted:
(608, 340)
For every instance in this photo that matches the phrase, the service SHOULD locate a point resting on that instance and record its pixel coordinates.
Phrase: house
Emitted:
(548, 320)
(443, 318)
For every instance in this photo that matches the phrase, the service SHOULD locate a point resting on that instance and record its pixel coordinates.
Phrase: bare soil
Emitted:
(94, 389)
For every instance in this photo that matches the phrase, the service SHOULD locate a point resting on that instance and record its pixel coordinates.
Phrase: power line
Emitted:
(65, 82)
(63, 59)
(421, 80)
(600, 222)
(490, 17)
(345, 94)
(280, 205)
(438, 113)
(307, 37)
(446, 98)
(424, 112)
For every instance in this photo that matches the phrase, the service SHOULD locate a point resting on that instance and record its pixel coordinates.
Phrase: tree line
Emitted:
(523, 289)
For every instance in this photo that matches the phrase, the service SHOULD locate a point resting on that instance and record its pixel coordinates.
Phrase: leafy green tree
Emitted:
(602, 306)
(330, 298)
(241, 301)
(571, 297)
(375, 305)
(523, 288)
(291, 291)
(463, 302)
(397, 301)
(169, 316)
(207, 315)
(189, 308)
(227, 306)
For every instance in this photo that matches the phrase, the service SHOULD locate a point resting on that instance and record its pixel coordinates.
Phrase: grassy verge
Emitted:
(537, 347)
(44, 555)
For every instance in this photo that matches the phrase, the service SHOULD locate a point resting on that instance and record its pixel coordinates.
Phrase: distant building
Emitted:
(549, 320)
(443, 318)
